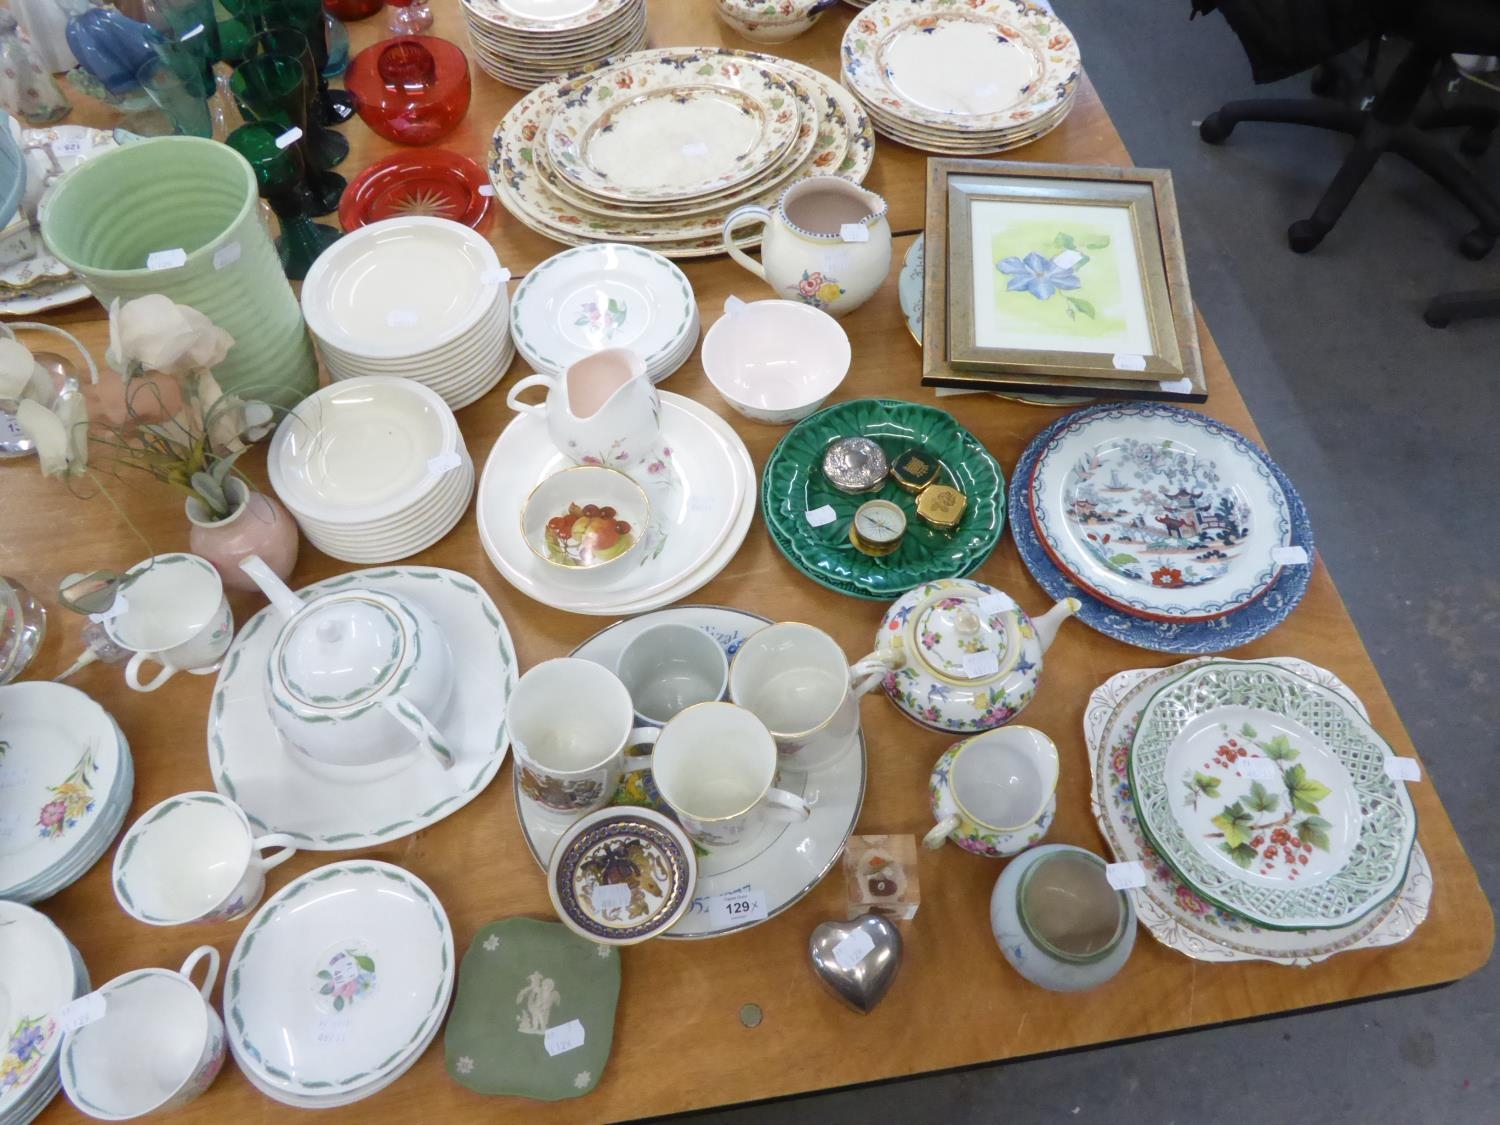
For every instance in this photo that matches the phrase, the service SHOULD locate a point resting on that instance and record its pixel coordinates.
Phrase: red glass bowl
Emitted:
(437, 181)
(351, 10)
(413, 89)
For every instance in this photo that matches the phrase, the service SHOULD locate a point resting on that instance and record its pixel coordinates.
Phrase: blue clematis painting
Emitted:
(1037, 275)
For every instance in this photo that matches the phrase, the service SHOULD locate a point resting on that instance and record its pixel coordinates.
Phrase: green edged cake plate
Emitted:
(793, 485)
(1269, 796)
(535, 1013)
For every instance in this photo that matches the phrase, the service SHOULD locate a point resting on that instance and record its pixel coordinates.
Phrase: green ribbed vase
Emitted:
(109, 214)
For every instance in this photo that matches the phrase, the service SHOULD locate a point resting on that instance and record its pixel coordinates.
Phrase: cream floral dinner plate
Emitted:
(1268, 795)
(782, 864)
(547, 16)
(978, 66)
(338, 978)
(659, 127)
(1176, 916)
(1159, 511)
(281, 790)
(700, 512)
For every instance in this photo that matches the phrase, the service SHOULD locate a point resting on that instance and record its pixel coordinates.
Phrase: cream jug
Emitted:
(826, 243)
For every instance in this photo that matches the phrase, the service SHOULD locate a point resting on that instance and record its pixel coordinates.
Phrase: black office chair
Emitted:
(1445, 308)
(1434, 29)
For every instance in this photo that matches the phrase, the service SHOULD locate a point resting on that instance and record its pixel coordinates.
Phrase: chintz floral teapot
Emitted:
(962, 656)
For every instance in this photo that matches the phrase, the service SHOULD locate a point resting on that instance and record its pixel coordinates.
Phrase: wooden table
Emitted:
(679, 1043)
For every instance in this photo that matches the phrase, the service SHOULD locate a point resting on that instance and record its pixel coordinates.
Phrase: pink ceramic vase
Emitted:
(258, 525)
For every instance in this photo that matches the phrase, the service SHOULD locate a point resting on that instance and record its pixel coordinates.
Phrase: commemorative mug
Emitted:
(194, 858)
(715, 765)
(670, 667)
(994, 794)
(175, 614)
(795, 679)
(158, 1044)
(571, 721)
(826, 243)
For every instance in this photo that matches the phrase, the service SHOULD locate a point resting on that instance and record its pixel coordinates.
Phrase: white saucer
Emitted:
(704, 516)
(786, 860)
(281, 791)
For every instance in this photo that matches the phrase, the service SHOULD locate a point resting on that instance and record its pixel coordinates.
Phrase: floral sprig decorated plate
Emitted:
(793, 485)
(1268, 795)
(1160, 511)
(1219, 634)
(40, 972)
(1174, 914)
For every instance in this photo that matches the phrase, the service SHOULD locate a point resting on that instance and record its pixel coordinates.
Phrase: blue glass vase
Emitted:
(110, 46)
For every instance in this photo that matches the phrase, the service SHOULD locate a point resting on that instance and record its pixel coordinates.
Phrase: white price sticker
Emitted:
(332, 1029)
(1259, 769)
(10, 429)
(1403, 769)
(289, 138)
(563, 1038)
(988, 90)
(701, 504)
(1066, 259)
(485, 190)
(1125, 876)
(166, 259)
(68, 148)
(1177, 386)
(735, 908)
(854, 232)
(444, 463)
(610, 896)
(119, 606)
(1289, 556)
(991, 604)
(494, 277)
(853, 949)
(820, 516)
(1124, 361)
(82, 1012)
(980, 664)
(402, 318)
(695, 148)
(226, 255)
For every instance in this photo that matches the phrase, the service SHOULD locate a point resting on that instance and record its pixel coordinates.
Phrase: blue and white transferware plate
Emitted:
(1159, 511)
(1220, 634)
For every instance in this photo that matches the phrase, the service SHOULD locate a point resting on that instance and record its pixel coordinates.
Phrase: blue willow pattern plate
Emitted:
(793, 485)
(1246, 624)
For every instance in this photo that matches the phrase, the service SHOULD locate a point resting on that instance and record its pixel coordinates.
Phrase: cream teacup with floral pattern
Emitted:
(995, 794)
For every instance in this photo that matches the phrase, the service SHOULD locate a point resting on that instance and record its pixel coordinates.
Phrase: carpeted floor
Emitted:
(1389, 429)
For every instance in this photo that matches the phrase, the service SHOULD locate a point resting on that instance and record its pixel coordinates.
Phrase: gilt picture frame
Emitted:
(1061, 279)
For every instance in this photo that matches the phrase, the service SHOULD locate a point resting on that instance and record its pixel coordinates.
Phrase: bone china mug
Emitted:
(176, 615)
(994, 794)
(795, 679)
(668, 668)
(157, 1045)
(193, 858)
(826, 243)
(714, 764)
(570, 723)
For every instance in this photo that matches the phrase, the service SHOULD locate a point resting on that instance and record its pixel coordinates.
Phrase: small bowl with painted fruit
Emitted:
(585, 518)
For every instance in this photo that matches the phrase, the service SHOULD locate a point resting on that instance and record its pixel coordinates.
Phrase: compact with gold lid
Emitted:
(914, 470)
(877, 528)
(941, 506)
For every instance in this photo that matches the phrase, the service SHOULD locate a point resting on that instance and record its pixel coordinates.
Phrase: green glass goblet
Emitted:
(327, 149)
(274, 89)
(279, 172)
(174, 81)
(329, 107)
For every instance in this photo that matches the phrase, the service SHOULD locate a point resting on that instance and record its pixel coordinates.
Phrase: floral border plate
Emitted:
(587, 14)
(1316, 839)
(787, 860)
(793, 485)
(281, 792)
(338, 977)
(40, 971)
(1177, 917)
(1246, 624)
(1187, 524)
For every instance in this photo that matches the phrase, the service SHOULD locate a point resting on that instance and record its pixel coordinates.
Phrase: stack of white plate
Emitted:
(66, 781)
(527, 42)
(374, 469)
(703, 131)
(983, 77)
(40, 971)
(338, 984)
(605, 296)
(418, 297)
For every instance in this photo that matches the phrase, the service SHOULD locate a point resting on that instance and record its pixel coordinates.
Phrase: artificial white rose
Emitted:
(154, 333)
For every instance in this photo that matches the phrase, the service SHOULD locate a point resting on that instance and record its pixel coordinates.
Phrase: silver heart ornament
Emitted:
(857, 960)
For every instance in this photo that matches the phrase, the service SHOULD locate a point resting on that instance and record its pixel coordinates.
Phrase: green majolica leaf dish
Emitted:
(527, 989)
(793, 485)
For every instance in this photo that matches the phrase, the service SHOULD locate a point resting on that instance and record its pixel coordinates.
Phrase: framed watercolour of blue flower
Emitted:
(1057, 278)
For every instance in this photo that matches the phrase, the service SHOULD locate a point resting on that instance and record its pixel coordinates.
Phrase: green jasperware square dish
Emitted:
(793, 485)
(522, 979)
